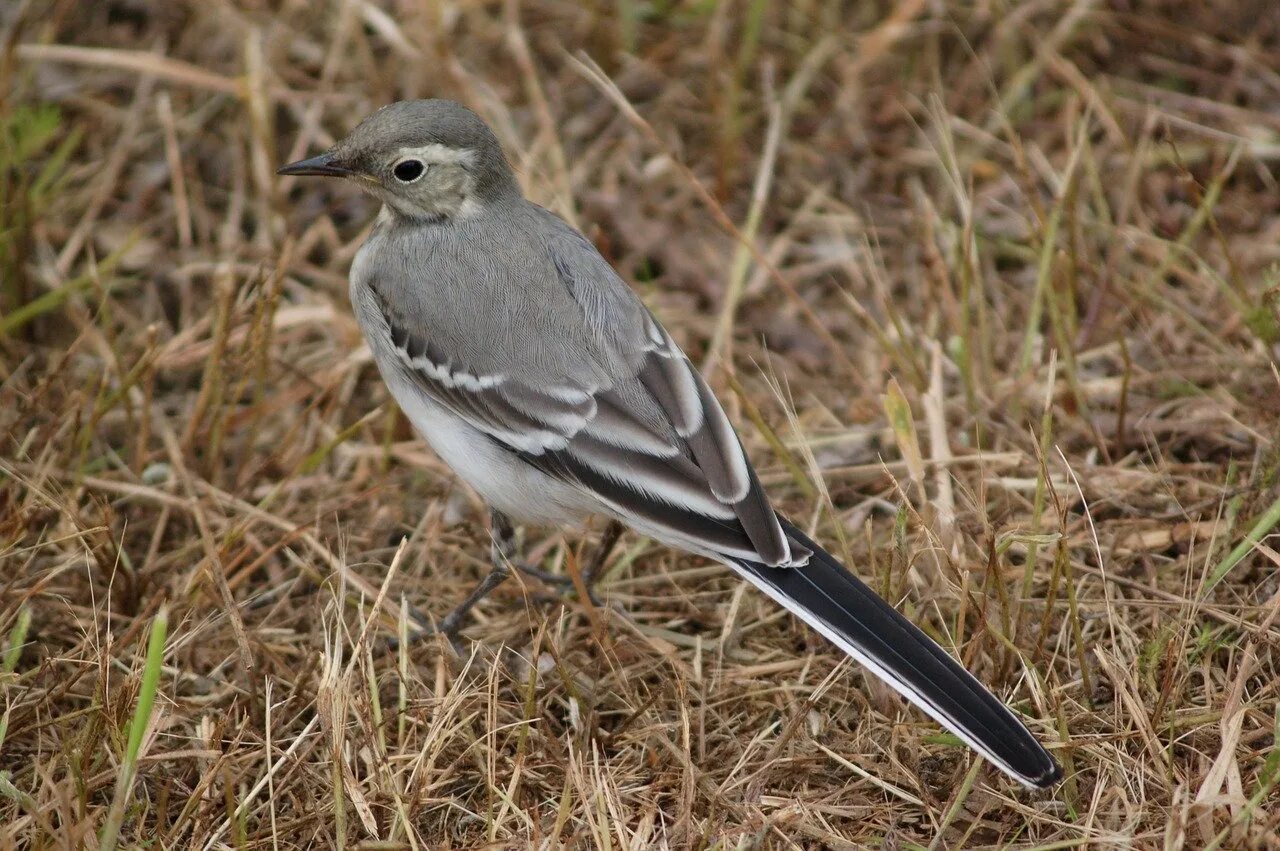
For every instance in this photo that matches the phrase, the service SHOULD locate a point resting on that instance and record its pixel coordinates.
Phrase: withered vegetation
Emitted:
(990, 288)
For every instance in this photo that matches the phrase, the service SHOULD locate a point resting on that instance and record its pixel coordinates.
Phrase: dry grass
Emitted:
(990, 286)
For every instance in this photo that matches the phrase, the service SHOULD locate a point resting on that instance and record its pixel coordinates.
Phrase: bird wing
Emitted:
(616, 409)
(613, 406)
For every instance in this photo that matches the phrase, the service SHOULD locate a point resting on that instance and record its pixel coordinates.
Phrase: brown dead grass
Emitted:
(1046, 232)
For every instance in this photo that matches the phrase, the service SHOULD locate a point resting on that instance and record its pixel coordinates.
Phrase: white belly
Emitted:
(503, 480)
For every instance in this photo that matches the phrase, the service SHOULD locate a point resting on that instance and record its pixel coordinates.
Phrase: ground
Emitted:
(990, 288)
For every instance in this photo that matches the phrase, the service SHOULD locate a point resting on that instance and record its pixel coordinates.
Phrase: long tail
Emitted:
(837, 604)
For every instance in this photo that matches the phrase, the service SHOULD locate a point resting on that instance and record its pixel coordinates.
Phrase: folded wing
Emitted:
(640, 430)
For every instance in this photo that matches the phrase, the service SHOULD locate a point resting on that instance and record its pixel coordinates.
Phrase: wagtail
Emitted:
(544, 382)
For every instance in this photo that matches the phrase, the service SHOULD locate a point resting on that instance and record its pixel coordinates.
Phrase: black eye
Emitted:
(407, 171)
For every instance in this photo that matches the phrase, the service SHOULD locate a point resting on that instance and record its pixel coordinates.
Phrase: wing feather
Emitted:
(640, 429)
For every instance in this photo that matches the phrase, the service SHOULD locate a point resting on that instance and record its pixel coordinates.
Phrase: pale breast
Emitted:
(502, 479)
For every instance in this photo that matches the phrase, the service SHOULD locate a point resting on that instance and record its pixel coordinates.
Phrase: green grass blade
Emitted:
(1268, 521)
(137, 729)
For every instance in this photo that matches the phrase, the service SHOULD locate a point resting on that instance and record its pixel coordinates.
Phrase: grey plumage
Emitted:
(541, 379)
(513, 322)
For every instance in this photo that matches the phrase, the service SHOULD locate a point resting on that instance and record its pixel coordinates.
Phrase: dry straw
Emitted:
(990, 288)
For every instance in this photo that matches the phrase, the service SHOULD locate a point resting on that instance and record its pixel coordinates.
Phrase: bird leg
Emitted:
(608, 540)
(502, 552)
(590, 573)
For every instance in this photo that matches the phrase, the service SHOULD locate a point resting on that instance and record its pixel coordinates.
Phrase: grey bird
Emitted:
(541, 379)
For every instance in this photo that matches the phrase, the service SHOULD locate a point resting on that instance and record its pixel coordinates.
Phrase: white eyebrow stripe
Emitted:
(437, 154)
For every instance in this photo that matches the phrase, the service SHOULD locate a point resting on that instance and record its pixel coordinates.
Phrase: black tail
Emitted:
(840, 606)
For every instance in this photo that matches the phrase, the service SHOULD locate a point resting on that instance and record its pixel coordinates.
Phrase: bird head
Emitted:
(425, 159)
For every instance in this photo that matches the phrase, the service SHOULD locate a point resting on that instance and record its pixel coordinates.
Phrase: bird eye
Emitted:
(407, 171)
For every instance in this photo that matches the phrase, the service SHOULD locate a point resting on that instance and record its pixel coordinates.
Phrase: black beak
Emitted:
(325, 165)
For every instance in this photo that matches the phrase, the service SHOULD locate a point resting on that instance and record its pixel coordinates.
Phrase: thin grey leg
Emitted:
(503, 547)
(502, 554)
(590, 573)
(608, 540)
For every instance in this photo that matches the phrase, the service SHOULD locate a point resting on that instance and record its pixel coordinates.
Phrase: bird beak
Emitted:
(325, 165)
